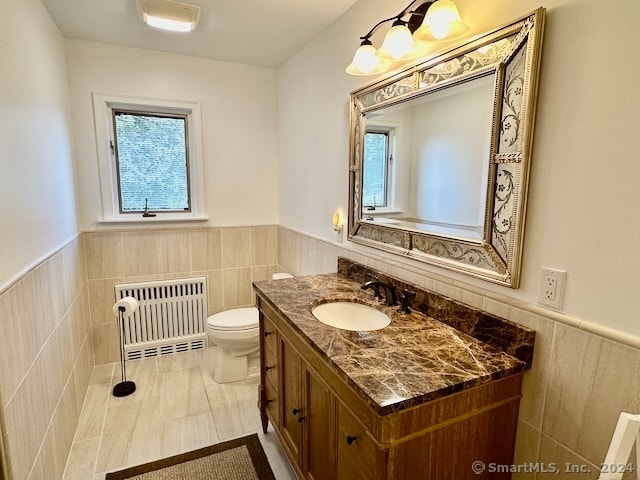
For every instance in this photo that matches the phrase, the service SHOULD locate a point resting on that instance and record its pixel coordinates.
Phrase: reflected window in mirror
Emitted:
(426, 160)
(378, 158)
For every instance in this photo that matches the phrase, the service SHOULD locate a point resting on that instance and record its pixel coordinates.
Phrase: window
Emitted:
(150, 159)
(376, 169)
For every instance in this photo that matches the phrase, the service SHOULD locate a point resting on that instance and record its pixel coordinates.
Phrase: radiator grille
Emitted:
(172, 317)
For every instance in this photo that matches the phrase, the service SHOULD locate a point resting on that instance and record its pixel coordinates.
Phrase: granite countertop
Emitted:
(413, 360)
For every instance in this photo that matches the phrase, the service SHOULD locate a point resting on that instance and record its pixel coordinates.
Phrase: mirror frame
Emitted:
(512, 54)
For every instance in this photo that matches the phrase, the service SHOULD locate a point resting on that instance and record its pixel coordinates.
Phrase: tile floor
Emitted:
(177, 407)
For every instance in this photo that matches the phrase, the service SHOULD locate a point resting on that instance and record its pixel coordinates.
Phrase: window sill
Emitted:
(382, 211)
(139, 219)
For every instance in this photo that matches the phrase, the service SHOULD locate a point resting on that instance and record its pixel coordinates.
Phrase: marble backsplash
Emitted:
(500, 333)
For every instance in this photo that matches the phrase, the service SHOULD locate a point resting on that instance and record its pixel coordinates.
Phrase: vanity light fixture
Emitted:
(421, 21)
(169, 15)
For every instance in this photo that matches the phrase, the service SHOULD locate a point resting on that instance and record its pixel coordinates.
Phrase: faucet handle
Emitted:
(407, 296)
(390, 294)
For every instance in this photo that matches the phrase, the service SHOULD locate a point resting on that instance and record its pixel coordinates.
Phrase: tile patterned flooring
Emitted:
(177, 407)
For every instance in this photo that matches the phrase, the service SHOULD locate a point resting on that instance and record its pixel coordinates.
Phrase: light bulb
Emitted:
(397, 43)
(440, 31)
(442, 20)
(365, 62)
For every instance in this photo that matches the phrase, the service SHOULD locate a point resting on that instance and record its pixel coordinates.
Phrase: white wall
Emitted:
(583, 193)
(37, 202)
(450, 154)
(238, 115)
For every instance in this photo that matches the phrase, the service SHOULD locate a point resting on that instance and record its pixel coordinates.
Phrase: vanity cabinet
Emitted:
(299, 404)
(329, 431)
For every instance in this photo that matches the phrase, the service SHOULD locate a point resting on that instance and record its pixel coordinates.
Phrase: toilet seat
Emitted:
(236, 319)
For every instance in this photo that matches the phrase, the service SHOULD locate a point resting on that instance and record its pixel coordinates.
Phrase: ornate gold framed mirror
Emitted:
(440, 155)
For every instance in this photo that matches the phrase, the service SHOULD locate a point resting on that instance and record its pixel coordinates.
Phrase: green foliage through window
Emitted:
(152, 159)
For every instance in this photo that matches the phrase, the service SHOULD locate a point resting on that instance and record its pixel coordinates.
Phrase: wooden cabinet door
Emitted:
(291, 400)
(357, 450)
(319, 426)
(347, 470)
(308, 412)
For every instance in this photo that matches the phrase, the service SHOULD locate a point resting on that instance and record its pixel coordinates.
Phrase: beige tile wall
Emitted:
(47, 358)
(231, 258)
(58, 322)
(579, 383)
(571, 397)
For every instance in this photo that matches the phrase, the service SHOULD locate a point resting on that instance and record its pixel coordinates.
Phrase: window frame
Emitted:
(387, 165)
(116, 149)
(104, 106)
(391, 132)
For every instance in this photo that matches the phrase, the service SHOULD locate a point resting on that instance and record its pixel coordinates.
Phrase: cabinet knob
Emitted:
(268, 401)
(301, 419)
(296, 411)
(267, 333)
(268, 367)
(351, 439)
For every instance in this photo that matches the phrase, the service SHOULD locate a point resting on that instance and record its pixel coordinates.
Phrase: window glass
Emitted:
(153, 161)
(375, 168)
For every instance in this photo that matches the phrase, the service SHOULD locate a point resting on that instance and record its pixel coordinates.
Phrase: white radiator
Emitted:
(172, 317)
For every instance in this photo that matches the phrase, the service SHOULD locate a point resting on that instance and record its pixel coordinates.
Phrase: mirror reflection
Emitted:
(426, 161)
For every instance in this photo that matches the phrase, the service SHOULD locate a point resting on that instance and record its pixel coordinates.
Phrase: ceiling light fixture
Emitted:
(169, 15)
(421, 21)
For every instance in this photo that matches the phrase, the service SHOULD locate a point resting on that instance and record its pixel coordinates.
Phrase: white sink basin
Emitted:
(351, 316)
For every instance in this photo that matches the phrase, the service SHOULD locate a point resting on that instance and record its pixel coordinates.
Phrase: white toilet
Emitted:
(236, 333)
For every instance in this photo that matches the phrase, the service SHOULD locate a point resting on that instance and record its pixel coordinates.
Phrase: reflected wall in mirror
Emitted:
(440, 155)
(426, 160)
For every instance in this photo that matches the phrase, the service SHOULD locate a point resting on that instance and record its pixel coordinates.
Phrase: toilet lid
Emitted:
(234, 319)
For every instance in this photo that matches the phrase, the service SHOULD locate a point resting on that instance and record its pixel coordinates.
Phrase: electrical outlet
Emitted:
(549, 287)
(552, 287)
